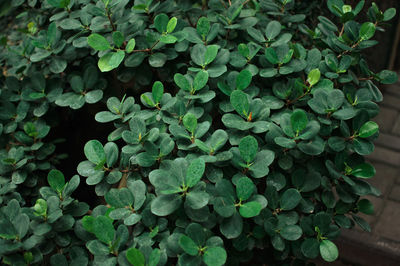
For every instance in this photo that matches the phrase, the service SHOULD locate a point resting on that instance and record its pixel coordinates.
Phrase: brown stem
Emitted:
(123, 181)
(111, 22)
(341, 31)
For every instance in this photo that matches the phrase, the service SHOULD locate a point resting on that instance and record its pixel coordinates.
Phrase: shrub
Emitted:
(239, 127)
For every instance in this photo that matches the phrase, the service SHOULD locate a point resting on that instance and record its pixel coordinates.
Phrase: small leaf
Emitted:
(367, 31)
(364, 170)
(243, 80)
(250, 209)
(157, 91)
(203, 27)
(182, 82)
(240, 103)
(94, 152)
(273, 30)
(130, 46)
(299, 120)
(194, 172)
(389, 14)
(248, 147)
(190, 122)
(329, 251)
(291, 232)
(118, 38)
(244, 188)
(200, 80)
(104, 229)
(135, 257)
(110, 61)
(313, 77)
(368, 129)
(98, 42)
(56, 180)
(171, 24)
(365, 206)
(160, 22)
(214, 256)
(290, 199)
(188, 245)
(211, 54)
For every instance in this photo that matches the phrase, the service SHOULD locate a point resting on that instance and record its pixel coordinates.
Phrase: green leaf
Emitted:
(56, 180)
(98, 42)
(203, 27)
(299, 120)
(103, 229)
(188, 245)
(190, 122)
(248, 148)
(161, 22)
(200, 80)
(155, 257)
(210, 54)
(40, 207)
(389, 14)
(365, 206)
(240, 103)
(313, 77)
(244, 188)
(310, 248)
(182, 82)
(157, 91)
(273, 30)
(165, 204)
(195, 171)
(250, 209)
(51, 33)
(291, 232)
(110, 61)
(130, 46)
(329, 251)
(172, 24)
(290, 199)
(214, 256)
(387, 77)
(94, 152)
(364, 170)
(367, 31)
(271, 55)
(243, 80)
(118, 38)
(368, 129)
(135, 257)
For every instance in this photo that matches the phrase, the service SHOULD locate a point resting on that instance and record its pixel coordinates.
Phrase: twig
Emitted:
(111, 22)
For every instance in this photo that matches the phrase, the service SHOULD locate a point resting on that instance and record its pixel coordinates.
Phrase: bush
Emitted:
(239, 127)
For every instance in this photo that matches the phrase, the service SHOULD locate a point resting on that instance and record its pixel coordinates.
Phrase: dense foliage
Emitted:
(239, 126)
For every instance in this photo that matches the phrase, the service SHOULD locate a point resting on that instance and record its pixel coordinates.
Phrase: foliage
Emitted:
(243, 126)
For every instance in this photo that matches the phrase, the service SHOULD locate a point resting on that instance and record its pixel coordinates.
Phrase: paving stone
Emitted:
(395, 193)
(385, 155)
(391, 100)
(386, 119)
(393, 89)
(385, 177)
(388, 141)
(388, 223)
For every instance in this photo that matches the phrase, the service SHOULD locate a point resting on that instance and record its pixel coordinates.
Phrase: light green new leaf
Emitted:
(111, 61)
(248, 147)
(94, 152)
(98, 42)
(313, 77)
(368, 129)
(130, 46)
(194, 172)
(56, 180)
(243, 80)
(329, 251)
(172, 24)
(367, 31)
